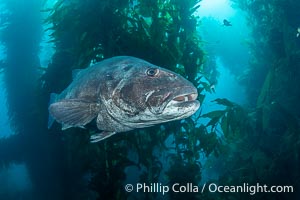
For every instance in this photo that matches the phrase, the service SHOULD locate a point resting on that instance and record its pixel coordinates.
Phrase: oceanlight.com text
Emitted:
(251, 189)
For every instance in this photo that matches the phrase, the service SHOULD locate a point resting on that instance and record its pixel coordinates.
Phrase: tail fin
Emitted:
(53, 98)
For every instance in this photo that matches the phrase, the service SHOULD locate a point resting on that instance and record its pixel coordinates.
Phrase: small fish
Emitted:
(226, 23)
(123, 93)
(298, 32)
(213, 88)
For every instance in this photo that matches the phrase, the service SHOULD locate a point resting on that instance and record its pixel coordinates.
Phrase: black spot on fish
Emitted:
(109, 77)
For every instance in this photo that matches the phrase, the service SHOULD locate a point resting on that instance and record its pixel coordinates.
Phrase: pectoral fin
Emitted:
(101, 136)
(73, 112)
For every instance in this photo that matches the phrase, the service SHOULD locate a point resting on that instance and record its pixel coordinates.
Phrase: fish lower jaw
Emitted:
(180, 110)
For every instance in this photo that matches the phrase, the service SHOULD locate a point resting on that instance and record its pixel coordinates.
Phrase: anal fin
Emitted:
(101, 136)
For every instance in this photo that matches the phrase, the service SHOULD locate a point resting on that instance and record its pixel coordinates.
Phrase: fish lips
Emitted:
(178, 97)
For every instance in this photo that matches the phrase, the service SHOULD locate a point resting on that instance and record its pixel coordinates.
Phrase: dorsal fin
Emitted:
(75, 73)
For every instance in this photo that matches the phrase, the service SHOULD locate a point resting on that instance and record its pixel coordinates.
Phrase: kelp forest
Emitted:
(254, 143)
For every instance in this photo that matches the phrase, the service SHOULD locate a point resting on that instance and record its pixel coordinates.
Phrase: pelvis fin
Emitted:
(101, 136)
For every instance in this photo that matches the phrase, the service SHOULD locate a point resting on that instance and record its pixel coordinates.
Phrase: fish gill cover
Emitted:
(258, 143)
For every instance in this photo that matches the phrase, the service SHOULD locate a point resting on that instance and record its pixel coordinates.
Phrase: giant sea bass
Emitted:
(123, 93)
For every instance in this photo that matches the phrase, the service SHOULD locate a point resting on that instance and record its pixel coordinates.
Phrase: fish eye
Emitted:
(152, 71)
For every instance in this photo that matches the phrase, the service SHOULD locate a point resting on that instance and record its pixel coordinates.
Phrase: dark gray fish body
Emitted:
(124, 93)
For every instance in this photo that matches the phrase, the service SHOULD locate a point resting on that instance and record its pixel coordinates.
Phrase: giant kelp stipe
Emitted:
(231, 144)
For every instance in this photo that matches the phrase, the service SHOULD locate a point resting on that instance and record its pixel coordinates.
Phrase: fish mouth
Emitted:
(181, 103)
(184, 97)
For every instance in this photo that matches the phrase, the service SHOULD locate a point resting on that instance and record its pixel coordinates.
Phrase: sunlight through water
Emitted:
(218, 9)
